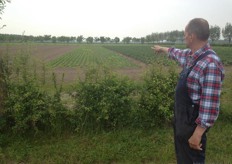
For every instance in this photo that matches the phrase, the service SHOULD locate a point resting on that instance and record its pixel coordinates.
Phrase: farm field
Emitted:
(73, 60)
(145, 54)
(91, 56)
(154, 145)
(44, 52)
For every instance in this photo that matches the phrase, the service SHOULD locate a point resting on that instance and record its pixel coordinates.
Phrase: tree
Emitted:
(173, 36)
(136, 40)
(47, 38)
(154, 37)
(215, 33)
(89, 39)
(227, 32)
(80, 39)
(116, 39)
(73, 39)
(54, 39)
(63, 39)
(127, 40)
(39, 38)
(102, 39)
(96, 39)
(162, 36)
(148, 38)
(142, 39)
(181, 36)
(107, 39)
(3, 5)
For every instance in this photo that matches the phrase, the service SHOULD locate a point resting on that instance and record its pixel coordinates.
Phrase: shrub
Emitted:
(5, 72)
(157, 99)
(30, 109)
(25, 107)
(103, 102)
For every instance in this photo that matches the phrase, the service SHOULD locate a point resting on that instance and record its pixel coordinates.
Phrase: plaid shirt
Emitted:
(204, 82)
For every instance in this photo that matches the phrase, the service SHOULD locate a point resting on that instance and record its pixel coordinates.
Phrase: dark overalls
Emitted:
(186, 112)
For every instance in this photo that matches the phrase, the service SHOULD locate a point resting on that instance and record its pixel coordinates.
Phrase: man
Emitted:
(197, 92)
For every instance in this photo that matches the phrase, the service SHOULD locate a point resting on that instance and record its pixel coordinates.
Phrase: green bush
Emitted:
(156, 99)
(30, 109)
(103, 102)
(25, 107)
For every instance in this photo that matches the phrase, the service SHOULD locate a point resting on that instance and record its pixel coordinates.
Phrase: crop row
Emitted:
(95, 55)
(91, 55)
(145, 54)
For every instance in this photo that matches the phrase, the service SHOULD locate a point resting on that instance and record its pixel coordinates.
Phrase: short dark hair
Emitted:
(199, 27)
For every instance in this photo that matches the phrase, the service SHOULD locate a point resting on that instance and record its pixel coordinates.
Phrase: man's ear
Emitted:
(193, 36)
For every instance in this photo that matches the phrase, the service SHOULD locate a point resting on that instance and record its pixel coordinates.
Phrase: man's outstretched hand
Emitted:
(159, 49)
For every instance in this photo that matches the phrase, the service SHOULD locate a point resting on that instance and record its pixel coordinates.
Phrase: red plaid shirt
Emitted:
(204, 82)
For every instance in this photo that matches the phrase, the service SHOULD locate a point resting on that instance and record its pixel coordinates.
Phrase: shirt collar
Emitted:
(201, 51)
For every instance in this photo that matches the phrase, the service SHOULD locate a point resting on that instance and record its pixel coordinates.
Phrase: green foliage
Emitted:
(157, 99)
(89, 39)
(119, 146)
(25, 107)
(30, 109)
(227, 32)
(103, 102)
(215, 33)
(3, 90)
(91, 56)
(3, 5)
(224, 53)
(143, 53)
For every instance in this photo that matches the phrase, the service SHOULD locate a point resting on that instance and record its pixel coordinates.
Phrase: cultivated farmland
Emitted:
(91, 56)
(145, 54)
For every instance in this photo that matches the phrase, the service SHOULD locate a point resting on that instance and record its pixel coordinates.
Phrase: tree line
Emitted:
(170, 36)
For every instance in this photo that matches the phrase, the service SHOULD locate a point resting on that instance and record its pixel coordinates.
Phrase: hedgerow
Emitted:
(30, 109)
(156, 98)
(103, 101)
(25, 107)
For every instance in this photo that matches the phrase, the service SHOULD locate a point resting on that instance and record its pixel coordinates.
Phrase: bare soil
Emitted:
(50, 52)
(44, 52)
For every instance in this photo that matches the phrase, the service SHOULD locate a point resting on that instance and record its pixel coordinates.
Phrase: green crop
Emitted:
(91, 56)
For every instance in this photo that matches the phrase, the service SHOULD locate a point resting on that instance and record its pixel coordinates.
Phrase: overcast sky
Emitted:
(109, 18)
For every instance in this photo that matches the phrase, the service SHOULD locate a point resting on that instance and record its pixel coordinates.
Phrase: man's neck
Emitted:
(198, 45)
